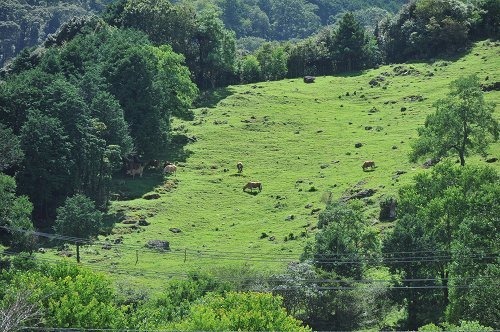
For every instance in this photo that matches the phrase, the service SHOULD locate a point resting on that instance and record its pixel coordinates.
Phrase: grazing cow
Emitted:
(170, 168)
(250, 185)
(368, 164)
(131, 161)
(239, 166)
(135, 171)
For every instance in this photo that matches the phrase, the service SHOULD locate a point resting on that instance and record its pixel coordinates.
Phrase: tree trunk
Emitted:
(461, 154)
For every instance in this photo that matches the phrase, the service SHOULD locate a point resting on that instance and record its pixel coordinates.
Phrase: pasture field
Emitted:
(298, 140)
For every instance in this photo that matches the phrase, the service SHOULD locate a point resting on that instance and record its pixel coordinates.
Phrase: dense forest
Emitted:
(100, 95)
(28, 23)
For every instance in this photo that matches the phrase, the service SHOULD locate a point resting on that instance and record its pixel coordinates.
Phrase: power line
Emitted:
(270, 257)
(279, 279)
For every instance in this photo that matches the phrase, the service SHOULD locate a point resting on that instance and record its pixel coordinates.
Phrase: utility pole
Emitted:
(78, 252)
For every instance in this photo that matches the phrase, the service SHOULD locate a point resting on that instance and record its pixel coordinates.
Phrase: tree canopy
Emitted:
(103, 94)
(451, 212)
(463, 123)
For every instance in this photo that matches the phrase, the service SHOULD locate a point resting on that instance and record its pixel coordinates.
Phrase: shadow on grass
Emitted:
(253, 193)
(110, 219)
(351, 73)
(125, 188)
(451, 57)
(237, 175)
(210, 98)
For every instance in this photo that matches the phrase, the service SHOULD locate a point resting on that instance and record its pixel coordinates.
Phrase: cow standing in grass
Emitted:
(239, 166)
(136, 170)
(250, 185)
(170, 169)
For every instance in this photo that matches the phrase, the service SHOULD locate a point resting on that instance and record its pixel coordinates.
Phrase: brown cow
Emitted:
(239, 166)
(171, 169)
(368, 164)
(134, 171)
(250, 185)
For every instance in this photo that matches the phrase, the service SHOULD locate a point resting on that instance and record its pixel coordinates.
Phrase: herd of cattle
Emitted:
(133, 166)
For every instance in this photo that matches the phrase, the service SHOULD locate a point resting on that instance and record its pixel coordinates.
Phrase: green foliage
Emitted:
(78, 217)
(463, 123)
(426, 28)
(217, 51)
(272, 58)
(239, 311)
(346, 47)
(346, 243)
(311, 56)
(69, 297)
(82, 91)
(46, 169)
(15, 212)
(245, 18)
(174, 302)
(10, 148)
(24, 23)
(453, 211)
(463, 327)
(347, 306)
(288, 20)
(349, 45)
(209, 48)
(487, 25)
(250, 70)
(293, 19)
(477, 234)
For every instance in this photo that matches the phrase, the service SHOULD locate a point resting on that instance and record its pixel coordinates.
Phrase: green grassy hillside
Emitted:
(297, 139)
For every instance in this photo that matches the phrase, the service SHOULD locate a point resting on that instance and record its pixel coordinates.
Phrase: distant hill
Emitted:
(289, 19)
(26, 23)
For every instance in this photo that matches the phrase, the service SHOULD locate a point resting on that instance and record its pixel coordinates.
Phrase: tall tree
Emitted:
(46, 170)
(208, 47)
(67, 296)
(463, 123)
(217, 52)
(442, 219)
(473, 295)
(250, 70)
(78, 217)
(311, 56)
(272, 59)
(348, 44)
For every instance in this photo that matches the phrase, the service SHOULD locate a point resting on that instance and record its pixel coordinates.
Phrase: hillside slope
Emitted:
(297, 139)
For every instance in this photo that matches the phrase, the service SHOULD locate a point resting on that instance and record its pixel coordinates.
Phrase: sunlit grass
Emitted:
(299, 141)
